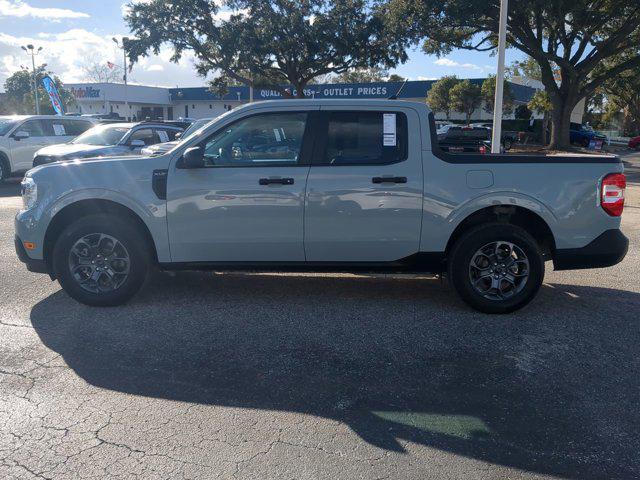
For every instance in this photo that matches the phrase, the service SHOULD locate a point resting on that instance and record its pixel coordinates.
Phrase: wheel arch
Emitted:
(4, 159)
(81, 208)
(517, 215)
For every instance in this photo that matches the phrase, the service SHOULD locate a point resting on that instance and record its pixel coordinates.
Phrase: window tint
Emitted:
(365, 138)
(76, 127)
(267, 139)
(148, 136)
(33, 127)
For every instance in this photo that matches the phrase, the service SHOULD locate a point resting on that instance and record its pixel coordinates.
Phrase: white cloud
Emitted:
(447, 62)
(425, 78)
(66, 53)
(20, 9)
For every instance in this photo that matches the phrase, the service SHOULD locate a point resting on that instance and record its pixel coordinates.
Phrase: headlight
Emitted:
(29, 193)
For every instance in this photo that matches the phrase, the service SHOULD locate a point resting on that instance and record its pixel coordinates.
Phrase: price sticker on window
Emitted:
(58, 130)
(389, 130)
(164, 136)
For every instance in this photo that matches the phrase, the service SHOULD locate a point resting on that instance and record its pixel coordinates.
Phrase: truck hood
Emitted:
(75, 150)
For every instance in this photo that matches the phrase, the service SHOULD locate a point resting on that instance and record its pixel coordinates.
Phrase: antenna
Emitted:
(395, 97)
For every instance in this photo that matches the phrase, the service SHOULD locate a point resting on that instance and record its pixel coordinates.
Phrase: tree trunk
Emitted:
(560, 121)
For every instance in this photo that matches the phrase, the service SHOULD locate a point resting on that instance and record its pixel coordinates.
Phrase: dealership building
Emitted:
(139, 102)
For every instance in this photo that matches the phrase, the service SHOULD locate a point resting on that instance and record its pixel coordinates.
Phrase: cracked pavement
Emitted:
(320, 376)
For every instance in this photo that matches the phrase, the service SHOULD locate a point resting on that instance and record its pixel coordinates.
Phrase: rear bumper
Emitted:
(606, 250)
(37, 266)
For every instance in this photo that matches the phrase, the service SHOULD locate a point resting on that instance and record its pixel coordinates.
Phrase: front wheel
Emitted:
(101, 260)
(496, 268)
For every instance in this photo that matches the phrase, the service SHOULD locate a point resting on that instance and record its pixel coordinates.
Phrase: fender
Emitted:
(154, 216)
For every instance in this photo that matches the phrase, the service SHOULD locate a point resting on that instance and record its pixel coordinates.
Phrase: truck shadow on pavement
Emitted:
(552, 389)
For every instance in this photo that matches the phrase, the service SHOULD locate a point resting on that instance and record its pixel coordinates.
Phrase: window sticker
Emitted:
(164, 137)
(276, 132)
(58, 129)
(389, 130)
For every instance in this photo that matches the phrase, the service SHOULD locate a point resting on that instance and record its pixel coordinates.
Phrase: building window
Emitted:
(210, 106)
(193, 107)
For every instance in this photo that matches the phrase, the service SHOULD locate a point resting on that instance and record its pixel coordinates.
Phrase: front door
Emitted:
(247, 203)
(364, 192)
(23, 149)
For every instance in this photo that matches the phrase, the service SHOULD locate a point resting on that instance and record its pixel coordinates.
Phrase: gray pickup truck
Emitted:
(322, 185)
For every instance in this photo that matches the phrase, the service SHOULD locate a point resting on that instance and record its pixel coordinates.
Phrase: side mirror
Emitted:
(136, 143)
(20, 135)
(193, 157)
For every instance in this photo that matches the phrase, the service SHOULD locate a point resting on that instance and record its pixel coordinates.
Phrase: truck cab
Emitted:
(322, 184)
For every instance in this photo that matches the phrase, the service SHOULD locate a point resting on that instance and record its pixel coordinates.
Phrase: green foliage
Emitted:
(577, 44)
(465, 97)
(488, 90)
(394, 77)
(525, 68)
(439, 98)
(522, 112)
(19, 97)
(362, 75)
(540, 102)
(282, 42)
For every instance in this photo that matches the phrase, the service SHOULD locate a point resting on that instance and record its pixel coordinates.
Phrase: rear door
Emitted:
(247, 203)
(364, 191)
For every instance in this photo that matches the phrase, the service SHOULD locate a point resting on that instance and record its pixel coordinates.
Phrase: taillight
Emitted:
(612, 193)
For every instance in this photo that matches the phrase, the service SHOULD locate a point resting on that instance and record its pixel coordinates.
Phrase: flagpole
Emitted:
(496, 135)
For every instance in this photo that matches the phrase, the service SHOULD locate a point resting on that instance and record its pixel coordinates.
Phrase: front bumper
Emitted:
(33, 265)
(608, 249)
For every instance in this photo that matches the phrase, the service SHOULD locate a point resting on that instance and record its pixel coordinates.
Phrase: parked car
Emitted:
(22, 135)
(322, 184)
(635, 142)
(108, 140)
(507, 137)
(583, 135)
(463, 138)
(161, 148)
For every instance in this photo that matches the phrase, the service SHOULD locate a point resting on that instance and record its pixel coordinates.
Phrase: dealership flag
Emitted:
(51, 89)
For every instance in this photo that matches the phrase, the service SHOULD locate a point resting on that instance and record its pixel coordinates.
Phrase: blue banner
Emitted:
(50, 87)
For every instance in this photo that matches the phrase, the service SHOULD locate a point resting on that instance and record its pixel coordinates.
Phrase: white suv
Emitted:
(22, 135)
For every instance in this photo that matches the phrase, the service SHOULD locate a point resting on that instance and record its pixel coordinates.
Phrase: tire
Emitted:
(119, 274)
(515, 290)
(5, 170)
(507, 143)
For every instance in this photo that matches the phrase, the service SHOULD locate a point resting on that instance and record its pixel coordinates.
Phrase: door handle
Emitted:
(276, 181)
(389, 179)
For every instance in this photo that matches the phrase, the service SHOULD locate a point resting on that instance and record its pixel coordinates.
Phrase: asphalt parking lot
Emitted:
(320, 376)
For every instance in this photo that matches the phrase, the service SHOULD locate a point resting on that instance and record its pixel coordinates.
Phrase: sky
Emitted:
(74, 33)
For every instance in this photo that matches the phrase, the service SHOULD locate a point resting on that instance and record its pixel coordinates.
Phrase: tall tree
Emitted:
(569, 39)
(96, 70)
(363, 75)
(438, 96)
(285, 42)
(488, 90)
(19, 92)
(466, 97)
(541, 104)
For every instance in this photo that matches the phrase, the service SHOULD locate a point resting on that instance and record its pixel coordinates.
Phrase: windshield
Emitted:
(102, 135)
(6, 124)
(197, 125)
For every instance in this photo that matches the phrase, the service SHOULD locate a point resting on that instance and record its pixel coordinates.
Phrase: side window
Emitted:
(35, 128)
(74, 128)
(166, 134)
(365, 138)
(147, 135)
(270, 139)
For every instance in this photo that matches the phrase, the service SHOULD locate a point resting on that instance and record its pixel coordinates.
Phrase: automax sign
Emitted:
(85, 92)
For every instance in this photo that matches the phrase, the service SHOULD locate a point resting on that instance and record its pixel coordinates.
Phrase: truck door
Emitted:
(364, 191)
(247, 203)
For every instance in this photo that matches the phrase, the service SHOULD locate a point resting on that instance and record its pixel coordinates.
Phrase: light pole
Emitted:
(496, 135)
(30, 49)
(124, 57)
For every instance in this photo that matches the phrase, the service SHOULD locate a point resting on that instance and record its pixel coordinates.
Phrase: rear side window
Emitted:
(365, 138)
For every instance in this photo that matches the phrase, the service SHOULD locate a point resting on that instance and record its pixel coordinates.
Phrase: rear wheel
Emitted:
(5, 171)
(101, 260)
(496, 268)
